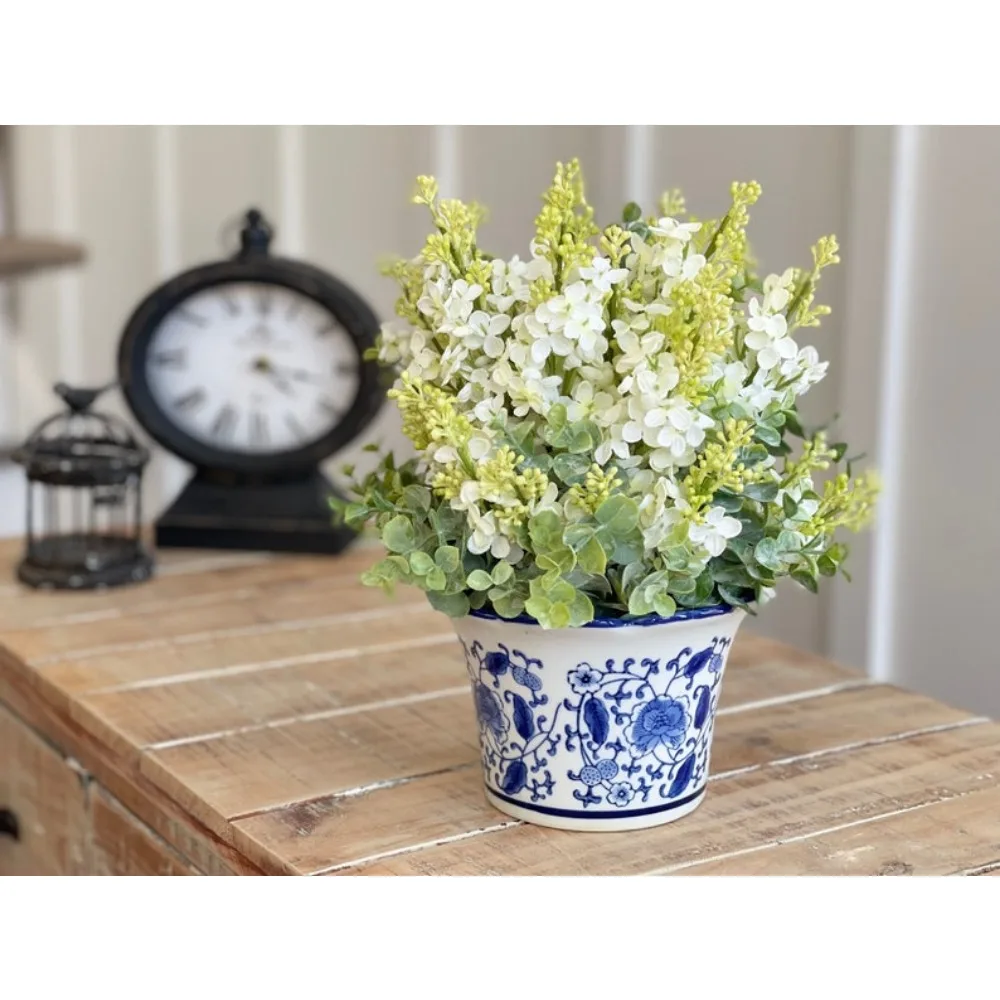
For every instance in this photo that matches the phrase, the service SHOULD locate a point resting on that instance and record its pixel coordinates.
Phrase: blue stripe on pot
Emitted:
(598, 813)
(681, 615)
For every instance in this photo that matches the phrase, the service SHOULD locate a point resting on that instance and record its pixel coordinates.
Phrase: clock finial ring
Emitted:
(256, 235)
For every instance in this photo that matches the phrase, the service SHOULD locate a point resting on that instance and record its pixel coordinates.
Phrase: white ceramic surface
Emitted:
(608, 727)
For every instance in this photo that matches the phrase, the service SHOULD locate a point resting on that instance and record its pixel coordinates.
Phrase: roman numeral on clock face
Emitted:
(224, 423)
(259, 435)
(191, 401)
(175, 358)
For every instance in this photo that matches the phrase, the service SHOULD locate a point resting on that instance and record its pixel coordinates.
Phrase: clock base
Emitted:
(276, 517)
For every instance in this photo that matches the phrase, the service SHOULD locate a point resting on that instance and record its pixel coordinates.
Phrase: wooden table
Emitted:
(246, 714)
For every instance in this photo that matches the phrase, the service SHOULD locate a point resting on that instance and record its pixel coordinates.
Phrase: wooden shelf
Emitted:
(20, 255)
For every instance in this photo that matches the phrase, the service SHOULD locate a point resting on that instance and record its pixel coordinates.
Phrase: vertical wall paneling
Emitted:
(360, 181)
(446, 161)
(804, 174)
(507, 168)
(639, 166)
(291, 214)
(66, 212)
(893, 412)
(167, 474)
(867, 255)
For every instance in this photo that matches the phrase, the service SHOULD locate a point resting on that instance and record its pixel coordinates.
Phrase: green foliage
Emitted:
(568, 489)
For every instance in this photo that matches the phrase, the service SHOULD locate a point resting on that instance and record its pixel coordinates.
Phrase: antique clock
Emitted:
(254, 371)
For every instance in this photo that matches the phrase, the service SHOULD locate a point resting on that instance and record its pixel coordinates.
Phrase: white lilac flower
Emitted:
(485, 536)
(602, 275)
(778, 290)
(804, 370)
(674, 230)
(715, 531)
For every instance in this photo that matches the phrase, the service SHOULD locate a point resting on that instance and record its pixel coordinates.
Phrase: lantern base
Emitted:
(84, 562)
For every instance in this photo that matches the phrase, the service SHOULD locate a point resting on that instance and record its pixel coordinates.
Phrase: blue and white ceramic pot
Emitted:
(606, 727)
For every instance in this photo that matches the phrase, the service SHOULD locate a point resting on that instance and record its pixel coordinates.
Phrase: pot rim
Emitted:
(681, 615)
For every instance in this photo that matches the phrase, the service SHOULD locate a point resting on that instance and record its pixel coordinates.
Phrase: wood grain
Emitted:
(49, 799)
(757, 807)
(121, 845)
(246, 713)
(451, 806)
(218, 779)
(205, 708)
(246, 649)
(934, 838)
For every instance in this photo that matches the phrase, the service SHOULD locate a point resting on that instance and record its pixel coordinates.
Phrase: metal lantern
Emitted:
(84, 500)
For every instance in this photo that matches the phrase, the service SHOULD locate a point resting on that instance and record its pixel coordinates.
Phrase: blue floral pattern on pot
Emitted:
(632, 734)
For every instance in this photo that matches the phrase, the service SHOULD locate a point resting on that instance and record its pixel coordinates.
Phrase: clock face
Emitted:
(252, 367)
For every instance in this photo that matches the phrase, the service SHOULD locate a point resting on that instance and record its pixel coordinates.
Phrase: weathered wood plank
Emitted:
(194, 582)
(218, 779)
(204, 708)
(247, 648)
(763, 805)
(937, 838)
(453, 806)
(48, 797)
(36, 705)
(183, 619)
(121, 845)
(313, 835)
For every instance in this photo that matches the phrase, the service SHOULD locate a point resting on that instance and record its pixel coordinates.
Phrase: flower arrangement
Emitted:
(603, 428)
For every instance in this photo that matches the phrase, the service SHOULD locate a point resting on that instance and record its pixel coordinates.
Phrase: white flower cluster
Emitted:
(598, 347)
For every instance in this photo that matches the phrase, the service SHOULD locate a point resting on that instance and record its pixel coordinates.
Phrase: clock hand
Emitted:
(264, 367)
(299, 374)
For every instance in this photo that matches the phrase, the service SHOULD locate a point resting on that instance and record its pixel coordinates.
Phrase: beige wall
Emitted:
(148, 201)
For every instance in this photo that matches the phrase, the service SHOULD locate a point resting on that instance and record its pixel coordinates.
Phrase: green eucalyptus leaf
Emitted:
(767, 553)
(417, 498)
(664, 605)
(640, 603)
(839, 450)
(398, 535)
(453, 605)
(578, 535)
(560, 560)
(807, 579)
(631, 213)
(619, 514)
(581, 610)
(545, 530)
(735, 596)
(788, 541)
(591, 558)
(508, 605)
(793, 424)
(558, 616)
(729, 502)
(632, 574)
(435, 579)
(570, 468)
(789, 506)
(502, 572)
(479, 579)
(764, 492)
(826, 565)
(421, 563)
(448, 558)
(767, 435)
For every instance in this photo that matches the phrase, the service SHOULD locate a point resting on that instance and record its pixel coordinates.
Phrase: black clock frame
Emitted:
(346, 307)
(242, 500)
